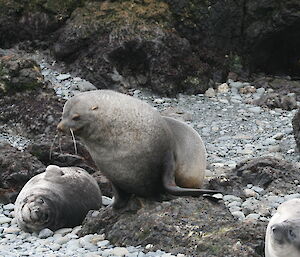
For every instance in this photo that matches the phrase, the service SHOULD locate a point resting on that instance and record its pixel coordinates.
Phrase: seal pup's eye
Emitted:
(76, 117)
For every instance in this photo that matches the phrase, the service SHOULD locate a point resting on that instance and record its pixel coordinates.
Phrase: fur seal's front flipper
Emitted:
(170, 184)
(120, 198)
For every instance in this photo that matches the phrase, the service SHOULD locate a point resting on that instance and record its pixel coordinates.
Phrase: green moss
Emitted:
(123, 18)
(19, 75)
(62, 7)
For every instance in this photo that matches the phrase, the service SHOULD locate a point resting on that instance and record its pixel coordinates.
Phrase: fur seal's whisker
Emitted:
(60, 149)
(74, 141)
(52, 146)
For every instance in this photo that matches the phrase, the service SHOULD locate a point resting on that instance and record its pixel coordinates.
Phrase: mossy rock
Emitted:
(19, 74)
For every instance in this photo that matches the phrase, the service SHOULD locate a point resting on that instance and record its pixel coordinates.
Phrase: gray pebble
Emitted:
(46, 232)
(238, 214)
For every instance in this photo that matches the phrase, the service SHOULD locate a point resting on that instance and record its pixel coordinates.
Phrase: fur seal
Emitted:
(57, 198)
(137, 149)
(283, 231)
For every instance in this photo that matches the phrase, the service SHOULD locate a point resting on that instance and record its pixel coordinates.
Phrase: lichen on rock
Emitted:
(19, 74)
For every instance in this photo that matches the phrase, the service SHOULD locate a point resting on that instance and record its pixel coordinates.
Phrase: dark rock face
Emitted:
(29, 20)
(141, 53)
(296, 128)
(193, 226)
(16, 168)
(272, 31)
(168, 46)
(31, 113)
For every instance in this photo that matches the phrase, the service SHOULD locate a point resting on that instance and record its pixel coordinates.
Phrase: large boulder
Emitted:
(144, 50)
(16, 168)
(33, 19)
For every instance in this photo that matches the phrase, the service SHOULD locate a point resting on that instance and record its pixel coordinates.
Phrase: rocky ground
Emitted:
(252, 157)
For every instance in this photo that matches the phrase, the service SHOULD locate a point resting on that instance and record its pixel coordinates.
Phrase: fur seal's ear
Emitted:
(95, 107)
(53, 171)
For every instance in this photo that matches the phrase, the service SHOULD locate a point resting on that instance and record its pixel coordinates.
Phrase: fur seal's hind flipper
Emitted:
(170, 184)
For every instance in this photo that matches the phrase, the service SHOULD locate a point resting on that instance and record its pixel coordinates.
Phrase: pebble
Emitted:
(238, 214)
(249, 192)
(210, 92)
(4, 219)
(255, 109)
(62, 77)
(44, 233)
(223, 88)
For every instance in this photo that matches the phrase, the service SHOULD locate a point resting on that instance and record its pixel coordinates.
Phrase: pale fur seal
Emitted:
(283, 231)
(57, 198)
(140, 151)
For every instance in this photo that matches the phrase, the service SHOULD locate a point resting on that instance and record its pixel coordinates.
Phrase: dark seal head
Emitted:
(137, 149)
(57, 198)
(283, 231)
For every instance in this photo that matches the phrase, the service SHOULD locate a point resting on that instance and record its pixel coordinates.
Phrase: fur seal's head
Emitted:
(78, 115)
(283, 232)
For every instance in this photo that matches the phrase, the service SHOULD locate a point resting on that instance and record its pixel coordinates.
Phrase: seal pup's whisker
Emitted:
(52, 146)
(74, 141)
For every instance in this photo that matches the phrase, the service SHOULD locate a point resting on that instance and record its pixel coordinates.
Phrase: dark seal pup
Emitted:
(140, 151)
(283, 231)
(57, 198)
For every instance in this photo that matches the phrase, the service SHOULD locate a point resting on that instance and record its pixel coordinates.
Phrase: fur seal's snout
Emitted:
(137, 149)
(60, 127)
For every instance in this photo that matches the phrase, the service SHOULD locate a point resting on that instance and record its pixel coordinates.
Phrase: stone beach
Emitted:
(233, 129)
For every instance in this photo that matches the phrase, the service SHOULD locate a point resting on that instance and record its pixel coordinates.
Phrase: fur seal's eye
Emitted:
(76, 117)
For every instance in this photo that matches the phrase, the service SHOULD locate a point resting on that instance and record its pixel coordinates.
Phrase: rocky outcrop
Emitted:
(16, 169)
(272, 174)
(31, 20)
(168, 46)
(142, 51)
(193, 226)
(296, 128)
(18, 73)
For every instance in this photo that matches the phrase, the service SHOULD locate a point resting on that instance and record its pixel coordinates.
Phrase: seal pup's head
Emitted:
(283, 231)
(36, 213)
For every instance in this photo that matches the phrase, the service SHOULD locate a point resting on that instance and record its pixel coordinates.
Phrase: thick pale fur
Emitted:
(286, 218)
(56, 198)
(132, 144)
